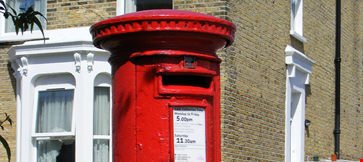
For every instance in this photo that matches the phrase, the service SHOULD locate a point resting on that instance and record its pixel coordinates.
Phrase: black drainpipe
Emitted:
(337, 61)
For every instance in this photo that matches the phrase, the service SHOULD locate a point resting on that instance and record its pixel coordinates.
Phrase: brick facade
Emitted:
(253, 82)
(78, 13)
(7, 103)
(253, 73)
(320, 32)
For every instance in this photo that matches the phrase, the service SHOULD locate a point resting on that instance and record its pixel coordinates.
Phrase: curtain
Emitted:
(21, 6)
(101, 111)
(54, 114)
(101, 123)
(130, 6)
(54, 111)
(101, 150)
(56, 150)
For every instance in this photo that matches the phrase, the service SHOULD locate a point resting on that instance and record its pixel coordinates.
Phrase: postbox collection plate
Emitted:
(189, 134)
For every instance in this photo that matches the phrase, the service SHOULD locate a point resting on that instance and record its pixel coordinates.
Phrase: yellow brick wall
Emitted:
(78, 13)
(319, 23)
(253, 82)
(7, 103)
(253, 78)
(211, 7)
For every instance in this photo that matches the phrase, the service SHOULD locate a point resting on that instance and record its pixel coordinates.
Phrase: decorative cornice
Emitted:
(298, 61)
(90, 61)
(171, 25)
(77, 59)
(163, 20)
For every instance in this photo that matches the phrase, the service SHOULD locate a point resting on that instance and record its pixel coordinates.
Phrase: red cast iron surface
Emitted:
(162, 20)
(145, 47)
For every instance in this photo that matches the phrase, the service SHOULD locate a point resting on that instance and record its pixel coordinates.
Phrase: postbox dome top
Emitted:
(163, 20)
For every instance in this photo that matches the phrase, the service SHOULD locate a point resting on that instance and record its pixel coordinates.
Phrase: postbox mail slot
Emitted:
(184, 85)
(186, 80)
(183, 81)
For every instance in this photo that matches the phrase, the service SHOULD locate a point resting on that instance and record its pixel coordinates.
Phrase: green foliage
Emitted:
(2, 140)
(24, 20)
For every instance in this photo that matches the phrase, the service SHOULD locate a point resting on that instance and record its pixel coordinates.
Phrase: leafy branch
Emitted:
(2, 139)
(23, 20)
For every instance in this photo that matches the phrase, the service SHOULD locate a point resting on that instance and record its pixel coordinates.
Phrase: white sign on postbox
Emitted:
(189, 134)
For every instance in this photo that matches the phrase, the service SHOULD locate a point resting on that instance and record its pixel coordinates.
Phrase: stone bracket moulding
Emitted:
(90, 61)
(20, 67)
(78, 61)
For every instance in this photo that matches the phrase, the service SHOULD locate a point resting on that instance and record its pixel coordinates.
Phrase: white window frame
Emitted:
(45, 82)
(298, 75)
(50, 86)
(297, 20)
(101, 81)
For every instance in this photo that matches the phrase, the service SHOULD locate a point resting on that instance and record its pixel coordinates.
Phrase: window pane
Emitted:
(101, 111)
(54, 111)
(153, 4)
(21, 6)
(56, 150)
(101, 150)
(139, 5)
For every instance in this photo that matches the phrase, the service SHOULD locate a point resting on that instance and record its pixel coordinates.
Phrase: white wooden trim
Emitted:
(297, 20)
(297, 36)
(108, 137)
(299, 68)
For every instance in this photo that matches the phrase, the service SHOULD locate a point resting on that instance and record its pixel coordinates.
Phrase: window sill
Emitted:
(297, 36)
(27, 36)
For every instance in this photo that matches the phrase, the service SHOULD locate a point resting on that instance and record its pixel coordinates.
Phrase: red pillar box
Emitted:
(165, 84)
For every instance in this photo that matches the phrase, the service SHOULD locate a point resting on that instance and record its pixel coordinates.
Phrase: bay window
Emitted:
(63, 99)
